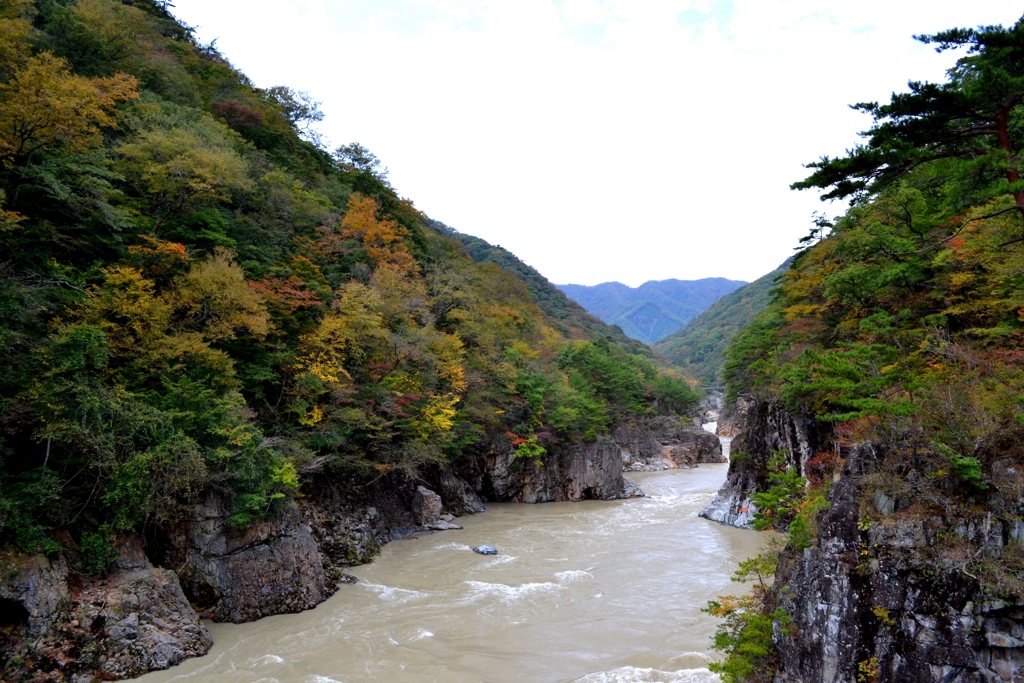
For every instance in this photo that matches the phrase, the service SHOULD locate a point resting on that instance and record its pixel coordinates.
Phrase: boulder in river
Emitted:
(441, 525)
(426, 506)
(485, 550)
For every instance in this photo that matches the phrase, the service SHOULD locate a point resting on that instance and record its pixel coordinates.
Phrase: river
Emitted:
(595, 591)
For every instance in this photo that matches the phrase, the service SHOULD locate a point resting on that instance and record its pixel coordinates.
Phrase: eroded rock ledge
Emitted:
(135, 619)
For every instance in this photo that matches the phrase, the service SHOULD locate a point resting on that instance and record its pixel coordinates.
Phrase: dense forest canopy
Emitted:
(197, 297)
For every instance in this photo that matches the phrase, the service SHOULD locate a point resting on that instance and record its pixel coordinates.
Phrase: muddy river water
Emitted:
(592, 591)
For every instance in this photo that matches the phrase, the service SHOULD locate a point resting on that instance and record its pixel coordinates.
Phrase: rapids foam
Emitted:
(630, 674)
(509, 594)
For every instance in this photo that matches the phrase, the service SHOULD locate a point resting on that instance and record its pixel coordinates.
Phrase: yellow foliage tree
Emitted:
(44, 106)
(15, 32)
(383, 239)
(350, 329)
(401, 300)
(437, 417)
(118, 29)
(179, 169)
(215, 298)
(128, 311)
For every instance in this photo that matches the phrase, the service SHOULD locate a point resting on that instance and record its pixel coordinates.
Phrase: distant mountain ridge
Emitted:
(699, 347)
(653, 310)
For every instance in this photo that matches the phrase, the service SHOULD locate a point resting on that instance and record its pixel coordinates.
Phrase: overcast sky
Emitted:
(598, 140)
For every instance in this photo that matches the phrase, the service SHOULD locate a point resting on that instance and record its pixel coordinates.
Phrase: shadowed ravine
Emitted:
(591, 591)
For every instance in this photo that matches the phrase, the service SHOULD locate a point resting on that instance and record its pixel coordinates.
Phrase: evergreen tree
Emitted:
(969, 130)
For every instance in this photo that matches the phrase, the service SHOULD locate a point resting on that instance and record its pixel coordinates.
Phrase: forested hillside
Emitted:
(572, 319)
(884, 394)
(699, 347)
(197, 297)
(654, 309)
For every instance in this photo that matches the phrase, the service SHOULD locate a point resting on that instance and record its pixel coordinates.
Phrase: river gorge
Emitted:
(586, 591)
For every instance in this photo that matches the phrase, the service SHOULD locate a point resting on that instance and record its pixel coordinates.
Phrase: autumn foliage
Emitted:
(197, 298)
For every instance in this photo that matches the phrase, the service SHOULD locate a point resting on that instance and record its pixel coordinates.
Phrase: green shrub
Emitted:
(778, 505)
(98, 550)
(745, 634)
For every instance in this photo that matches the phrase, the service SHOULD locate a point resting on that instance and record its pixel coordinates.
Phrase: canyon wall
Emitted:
(145, 612)
(886, 592)
(895, 599)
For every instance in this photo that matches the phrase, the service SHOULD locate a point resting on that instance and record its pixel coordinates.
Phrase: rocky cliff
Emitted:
(666, 443)
(759, 430)
(588, 471)
(57, 624)
(889, 596)
(886, 591)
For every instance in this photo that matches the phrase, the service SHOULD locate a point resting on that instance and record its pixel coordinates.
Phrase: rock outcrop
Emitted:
(35, 591)
(759, 429)
(591, 470)
(875, 601)
(133, 620)
(880, 600)
(426, 506)
(240, 574)
(140, 617)
(664, 443)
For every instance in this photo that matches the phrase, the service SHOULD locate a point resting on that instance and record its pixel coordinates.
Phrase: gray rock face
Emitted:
(426, 506)
(458, 495)
(733, 416)
(136, 619)
(351, 532)
(664, 443)
(915, 618)
(146, 619)
(872, 595)
(39, 586)
(238, 575)
(690, 448)
(591, 470)
(758, 430)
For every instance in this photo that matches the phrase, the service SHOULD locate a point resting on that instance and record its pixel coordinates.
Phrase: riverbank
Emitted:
(592, 590)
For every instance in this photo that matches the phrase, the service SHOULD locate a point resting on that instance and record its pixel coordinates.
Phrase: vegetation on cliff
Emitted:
(196, 296)
(903, 328)
(699, 348)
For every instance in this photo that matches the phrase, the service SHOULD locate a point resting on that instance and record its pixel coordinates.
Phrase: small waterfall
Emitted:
(726, 441)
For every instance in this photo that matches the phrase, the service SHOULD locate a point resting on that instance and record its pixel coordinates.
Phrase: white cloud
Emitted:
(598, 140)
